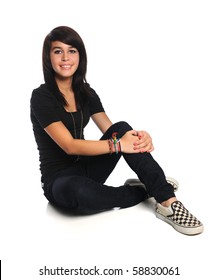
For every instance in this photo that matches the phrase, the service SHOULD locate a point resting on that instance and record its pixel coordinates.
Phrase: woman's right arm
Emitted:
(63, 138)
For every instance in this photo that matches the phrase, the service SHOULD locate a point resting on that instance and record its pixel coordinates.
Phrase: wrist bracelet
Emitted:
(114, 144)
(110, 145)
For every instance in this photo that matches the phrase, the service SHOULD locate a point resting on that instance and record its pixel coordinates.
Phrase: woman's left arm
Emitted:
(102, 121)
(144, 140)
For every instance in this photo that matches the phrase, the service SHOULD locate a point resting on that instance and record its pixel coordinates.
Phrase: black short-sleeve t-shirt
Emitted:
(44, 110)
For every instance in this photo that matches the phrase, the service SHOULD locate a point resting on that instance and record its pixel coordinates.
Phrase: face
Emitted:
(64, 59)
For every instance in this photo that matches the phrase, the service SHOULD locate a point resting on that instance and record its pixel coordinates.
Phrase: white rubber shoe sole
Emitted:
(137, 182)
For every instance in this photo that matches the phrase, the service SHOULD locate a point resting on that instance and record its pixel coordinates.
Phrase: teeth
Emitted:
(65, 66)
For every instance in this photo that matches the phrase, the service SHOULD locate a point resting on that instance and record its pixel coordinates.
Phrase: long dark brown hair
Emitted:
(80, 86)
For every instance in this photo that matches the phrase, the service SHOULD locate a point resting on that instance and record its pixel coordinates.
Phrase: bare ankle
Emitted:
(168, 202)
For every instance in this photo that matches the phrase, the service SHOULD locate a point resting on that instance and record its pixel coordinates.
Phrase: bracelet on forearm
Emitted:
(114, 144)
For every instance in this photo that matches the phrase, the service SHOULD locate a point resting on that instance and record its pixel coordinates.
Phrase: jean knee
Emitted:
(120, 127)
(63, 192)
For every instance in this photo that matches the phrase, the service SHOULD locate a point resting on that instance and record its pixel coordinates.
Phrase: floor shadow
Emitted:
(149, 204)
(51, 209)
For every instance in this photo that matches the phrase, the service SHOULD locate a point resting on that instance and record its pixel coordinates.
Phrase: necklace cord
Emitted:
(74, 125)
(81, 128)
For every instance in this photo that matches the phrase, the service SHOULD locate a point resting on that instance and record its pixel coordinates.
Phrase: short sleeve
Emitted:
(95, 104)
(44, 108)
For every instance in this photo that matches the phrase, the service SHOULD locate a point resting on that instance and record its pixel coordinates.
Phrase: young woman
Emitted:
(73, 169)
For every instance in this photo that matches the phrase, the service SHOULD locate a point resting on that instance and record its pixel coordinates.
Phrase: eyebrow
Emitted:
(57, 47)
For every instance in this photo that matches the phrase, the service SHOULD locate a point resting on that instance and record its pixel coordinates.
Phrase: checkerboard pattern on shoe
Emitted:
(180, 218)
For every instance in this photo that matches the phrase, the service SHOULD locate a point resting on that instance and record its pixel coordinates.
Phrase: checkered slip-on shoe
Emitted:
(137, 182)
(180, 218)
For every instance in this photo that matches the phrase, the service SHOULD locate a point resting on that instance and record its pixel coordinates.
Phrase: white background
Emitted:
(153, 64)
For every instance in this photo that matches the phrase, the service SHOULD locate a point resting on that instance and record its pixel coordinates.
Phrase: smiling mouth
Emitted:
(65, 66)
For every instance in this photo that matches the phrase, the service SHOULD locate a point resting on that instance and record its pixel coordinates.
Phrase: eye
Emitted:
(72, 51)
(57, 51)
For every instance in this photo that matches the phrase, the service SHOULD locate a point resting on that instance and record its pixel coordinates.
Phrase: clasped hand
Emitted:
(136, 142)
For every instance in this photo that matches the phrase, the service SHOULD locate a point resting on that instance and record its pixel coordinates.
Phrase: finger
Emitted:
(148, 148)
(134, 132)
(151, 148)
(144, 144)
(140, 134)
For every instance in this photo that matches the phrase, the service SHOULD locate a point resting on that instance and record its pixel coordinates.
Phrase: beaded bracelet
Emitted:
(114, 143)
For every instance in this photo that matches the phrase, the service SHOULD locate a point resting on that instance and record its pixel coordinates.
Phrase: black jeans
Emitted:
(82, 186)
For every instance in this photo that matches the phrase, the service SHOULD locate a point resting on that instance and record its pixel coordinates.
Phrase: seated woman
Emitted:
(74, 170)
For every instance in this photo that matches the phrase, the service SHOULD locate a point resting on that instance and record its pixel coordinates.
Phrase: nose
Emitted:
(65, 56)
